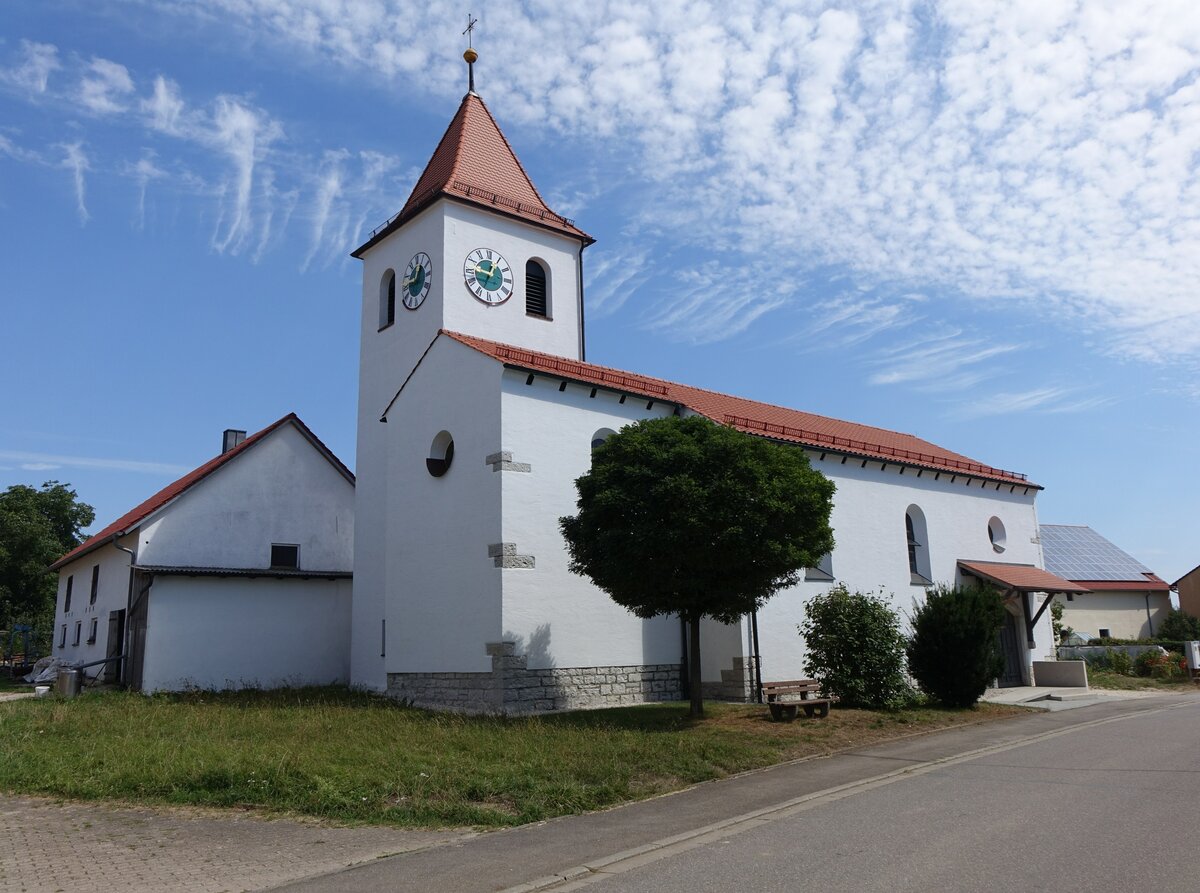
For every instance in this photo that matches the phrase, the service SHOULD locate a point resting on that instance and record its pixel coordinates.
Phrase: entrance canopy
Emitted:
(1021, 579)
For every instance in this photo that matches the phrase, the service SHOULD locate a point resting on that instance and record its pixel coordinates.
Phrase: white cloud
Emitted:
(76, 162)
(1052, 399)
(143, 171)
(164, 107)
(38, 461)
(32, 72)
(105, 87)
(243, 134)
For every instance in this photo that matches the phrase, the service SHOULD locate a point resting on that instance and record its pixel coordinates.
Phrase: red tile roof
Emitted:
(1022, 577)
(753, 417)
(1151, 583)
(475, 163)
(139, 513)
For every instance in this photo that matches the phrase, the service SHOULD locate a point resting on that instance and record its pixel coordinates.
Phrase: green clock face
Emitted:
(418, 276)
(488, 276)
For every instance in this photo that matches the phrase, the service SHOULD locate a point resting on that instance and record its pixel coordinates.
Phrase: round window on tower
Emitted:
(441, 454)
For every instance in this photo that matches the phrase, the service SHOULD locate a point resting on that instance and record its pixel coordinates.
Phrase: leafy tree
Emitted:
(855, 648)
(954, 653)
(687, 517)
(1178, 626)
(37, 527)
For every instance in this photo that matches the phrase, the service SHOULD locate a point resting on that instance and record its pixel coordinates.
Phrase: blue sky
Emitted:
(978, 223)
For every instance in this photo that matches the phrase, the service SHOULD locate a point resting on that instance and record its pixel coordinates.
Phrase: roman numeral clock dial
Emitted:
(488, 276)
(417, 277)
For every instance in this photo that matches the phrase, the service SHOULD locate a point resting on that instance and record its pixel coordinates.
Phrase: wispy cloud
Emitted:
(613, 275)
(143, 171)
(105, 87)
(242, 134)
(1047, 400)
(32, 71)
(41, 461)
(76, 162)
(946, 360)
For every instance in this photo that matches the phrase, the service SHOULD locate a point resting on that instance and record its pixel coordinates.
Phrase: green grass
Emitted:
(1098, 677)
(360, 758)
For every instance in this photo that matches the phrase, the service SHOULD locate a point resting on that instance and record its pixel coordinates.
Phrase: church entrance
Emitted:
(1010, 647)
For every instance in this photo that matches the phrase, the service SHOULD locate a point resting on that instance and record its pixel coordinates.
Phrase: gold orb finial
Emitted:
(470, 55)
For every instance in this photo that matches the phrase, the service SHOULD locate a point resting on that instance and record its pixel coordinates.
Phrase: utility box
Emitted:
(67, 684)
(1192, 650)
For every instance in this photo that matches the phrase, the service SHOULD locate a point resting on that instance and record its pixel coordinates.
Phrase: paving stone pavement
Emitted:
(47, 847)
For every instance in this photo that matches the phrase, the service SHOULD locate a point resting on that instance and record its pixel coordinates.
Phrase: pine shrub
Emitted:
(954, 652)
(855, 648)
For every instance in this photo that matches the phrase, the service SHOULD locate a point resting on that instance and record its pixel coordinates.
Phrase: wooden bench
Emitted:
(782, 698)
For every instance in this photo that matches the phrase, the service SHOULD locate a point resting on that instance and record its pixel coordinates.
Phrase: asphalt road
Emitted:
(1106, 806)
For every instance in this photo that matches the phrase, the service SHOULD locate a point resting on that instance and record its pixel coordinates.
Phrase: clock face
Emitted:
(417, 277)
(488, 276)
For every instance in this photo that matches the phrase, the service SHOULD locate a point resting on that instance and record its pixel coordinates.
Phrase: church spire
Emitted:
(469, 54)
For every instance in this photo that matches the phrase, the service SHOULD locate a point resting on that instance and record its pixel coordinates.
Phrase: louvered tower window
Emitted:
(535, 289)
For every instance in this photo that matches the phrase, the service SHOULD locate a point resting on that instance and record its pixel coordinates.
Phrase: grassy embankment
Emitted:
(354, 757)
(1099, 677)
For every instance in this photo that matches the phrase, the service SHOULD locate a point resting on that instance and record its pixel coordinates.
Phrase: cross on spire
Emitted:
(470, 55)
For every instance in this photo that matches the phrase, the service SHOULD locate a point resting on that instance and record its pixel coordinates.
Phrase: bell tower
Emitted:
(475, 250)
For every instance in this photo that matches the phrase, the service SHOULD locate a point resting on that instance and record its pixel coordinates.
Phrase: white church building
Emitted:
(477, 412)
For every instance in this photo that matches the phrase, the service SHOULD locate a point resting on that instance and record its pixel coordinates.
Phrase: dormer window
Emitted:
(536, 295)
(387, 300)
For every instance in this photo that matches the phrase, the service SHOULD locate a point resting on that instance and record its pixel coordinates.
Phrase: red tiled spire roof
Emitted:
(139, 513)
(753, 417)
(474, 163)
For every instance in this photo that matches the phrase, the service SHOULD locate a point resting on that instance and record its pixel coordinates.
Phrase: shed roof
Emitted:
(175, 489)
(1021, 577)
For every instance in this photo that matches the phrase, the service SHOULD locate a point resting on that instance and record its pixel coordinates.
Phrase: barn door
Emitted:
(1010, 647)
(136, 654)
(113, 645)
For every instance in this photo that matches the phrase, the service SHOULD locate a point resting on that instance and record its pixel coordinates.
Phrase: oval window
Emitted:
(441, 454)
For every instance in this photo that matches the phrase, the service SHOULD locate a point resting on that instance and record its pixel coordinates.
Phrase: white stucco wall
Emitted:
(564, 617)
(1122, 613)
(235, 632)
(280, 490)
(111, 595)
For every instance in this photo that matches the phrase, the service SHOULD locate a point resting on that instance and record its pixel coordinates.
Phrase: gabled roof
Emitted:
(475, 164)
(753, 417)
(1079, 553)
(1021, 577)
(174, 490)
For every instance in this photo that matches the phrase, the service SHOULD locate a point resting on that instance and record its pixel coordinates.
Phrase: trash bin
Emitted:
(67, 685)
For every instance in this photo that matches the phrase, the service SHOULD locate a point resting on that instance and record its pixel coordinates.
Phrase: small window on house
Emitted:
(92, 631)
(441, 454)
(387, 300)
(78, 631)
(1105, 633)
(95, 584)
(285, 556)
(823, 572)
(67, 599)
(918, 546)
(996, 534)
(536, 297)
(62, 637)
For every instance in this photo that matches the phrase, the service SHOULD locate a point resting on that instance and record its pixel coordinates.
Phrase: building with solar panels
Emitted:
(1127, 600)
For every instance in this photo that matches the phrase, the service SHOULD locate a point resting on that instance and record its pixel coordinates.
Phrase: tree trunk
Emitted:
(697, 710)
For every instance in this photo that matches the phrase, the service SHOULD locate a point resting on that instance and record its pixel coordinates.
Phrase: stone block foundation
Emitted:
(511, 688)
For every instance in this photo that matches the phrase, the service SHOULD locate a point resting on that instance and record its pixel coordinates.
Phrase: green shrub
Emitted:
(1120, 662)
(1144, 663)
(1168, 666)
(856, 649)
(954, 652)
(1178, 626)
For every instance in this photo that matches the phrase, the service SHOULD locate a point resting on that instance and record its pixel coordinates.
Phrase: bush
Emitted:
(856, 649)
(1119, 662)
(1179, 626)
(1144, 663)
(954, 652)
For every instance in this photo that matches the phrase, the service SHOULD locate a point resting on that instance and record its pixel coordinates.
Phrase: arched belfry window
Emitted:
(537, 296)
(917, 536)
(387, 299)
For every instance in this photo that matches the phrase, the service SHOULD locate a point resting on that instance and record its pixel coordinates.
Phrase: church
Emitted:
(478, 410)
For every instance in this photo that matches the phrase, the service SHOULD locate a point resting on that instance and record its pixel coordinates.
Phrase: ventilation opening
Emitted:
(441, 454)
(535, 290)
(285, 556)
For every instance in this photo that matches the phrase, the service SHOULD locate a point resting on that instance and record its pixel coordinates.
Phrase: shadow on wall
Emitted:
(536, 650)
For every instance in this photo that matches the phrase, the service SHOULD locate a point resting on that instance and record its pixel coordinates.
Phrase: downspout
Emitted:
(123, 677)
(757, 656)
(1149, 619)
(582, 339)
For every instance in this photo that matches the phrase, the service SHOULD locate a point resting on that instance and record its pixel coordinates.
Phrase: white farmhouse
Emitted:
(236, 575)
(477, 411)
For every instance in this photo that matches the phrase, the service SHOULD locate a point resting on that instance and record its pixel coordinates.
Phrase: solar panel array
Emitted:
(1079, 553)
